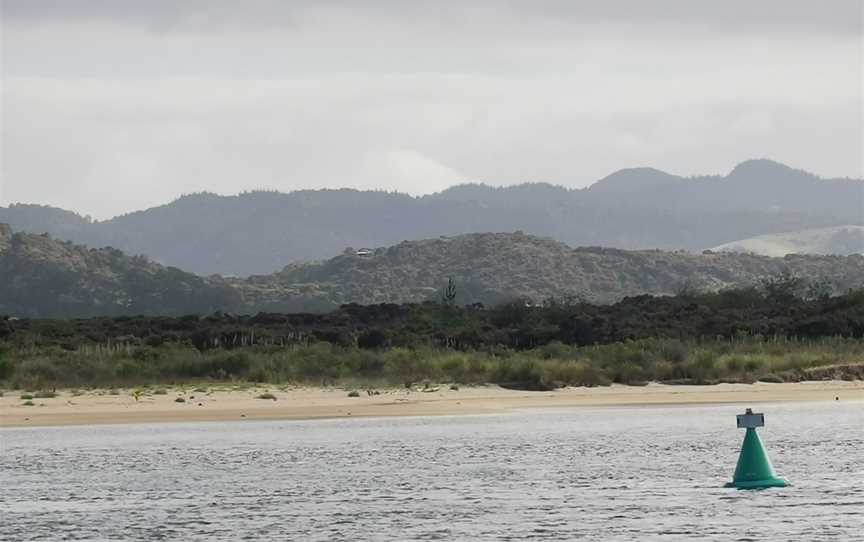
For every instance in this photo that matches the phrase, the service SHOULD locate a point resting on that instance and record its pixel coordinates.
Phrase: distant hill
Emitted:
(639, 208)
(841, 240)
(497, 267)
(41, 277)
(44, 277)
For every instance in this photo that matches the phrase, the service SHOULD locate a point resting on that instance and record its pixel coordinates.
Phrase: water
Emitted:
(591, 474)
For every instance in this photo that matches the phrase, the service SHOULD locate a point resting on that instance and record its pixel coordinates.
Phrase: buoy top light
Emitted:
(750, 419)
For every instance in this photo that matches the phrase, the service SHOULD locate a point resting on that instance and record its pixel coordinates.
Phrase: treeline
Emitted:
(783, 306)
(778, 330)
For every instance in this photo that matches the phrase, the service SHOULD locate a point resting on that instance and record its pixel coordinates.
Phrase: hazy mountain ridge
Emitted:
(639, 208)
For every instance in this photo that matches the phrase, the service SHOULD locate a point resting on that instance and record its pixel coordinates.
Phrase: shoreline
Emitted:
(219, 402)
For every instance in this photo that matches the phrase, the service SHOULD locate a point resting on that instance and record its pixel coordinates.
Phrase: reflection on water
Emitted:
(592, 474)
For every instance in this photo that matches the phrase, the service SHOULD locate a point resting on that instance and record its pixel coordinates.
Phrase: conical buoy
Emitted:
(754, 469)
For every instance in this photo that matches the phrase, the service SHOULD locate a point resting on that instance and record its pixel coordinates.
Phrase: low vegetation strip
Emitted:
(550, 366)
(784, 330)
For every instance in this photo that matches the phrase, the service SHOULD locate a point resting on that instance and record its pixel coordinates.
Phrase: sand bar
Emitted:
(220, 402)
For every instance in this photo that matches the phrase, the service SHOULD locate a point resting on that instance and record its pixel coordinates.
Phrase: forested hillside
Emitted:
(40, 276)
(492, 268)
(43, 277)
(260, 232)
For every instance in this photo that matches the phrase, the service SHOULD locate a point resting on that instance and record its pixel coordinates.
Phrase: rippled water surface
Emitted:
(591, 474)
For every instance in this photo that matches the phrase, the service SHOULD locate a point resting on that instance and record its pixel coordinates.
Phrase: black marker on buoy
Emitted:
(754, 470)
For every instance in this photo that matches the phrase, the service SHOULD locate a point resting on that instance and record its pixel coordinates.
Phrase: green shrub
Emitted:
(146, 354)
(27, 396)
(221, 365)
(353, 393)
(628, 373)
(407, 365)
(577, 373)
(555, 350)
(479, 369)
(675, 352)
(317, 362)
(733, 364)
(702, 367)
(37, 372)
(6, 367)
(28, 403)
(453, 367)
(773, 378)
(267, 395)
(368, 364)
(179, 400)
(45, 394)
(523, 374)
(128, 369)
(666, 370)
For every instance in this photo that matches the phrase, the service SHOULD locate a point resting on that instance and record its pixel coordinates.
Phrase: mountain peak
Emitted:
(630, 179)
(765, 169)
(465, 191)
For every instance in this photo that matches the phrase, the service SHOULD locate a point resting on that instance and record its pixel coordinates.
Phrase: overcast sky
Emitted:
(112, 106)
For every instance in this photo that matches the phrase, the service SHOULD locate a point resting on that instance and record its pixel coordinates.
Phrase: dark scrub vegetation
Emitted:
(782, 330)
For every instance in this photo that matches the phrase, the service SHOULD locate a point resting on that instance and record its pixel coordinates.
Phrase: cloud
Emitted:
(843, 16)
(109, 107)
(390, 168)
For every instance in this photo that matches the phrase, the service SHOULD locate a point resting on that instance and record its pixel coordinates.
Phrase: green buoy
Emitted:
(754, 469)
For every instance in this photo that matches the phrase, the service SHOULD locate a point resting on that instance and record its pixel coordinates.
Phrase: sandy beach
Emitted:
(219, 403)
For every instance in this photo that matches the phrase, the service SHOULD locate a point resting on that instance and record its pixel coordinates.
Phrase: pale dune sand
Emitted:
(222, 403)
